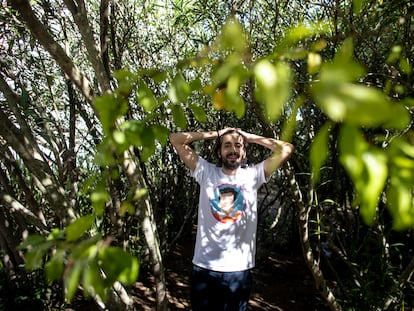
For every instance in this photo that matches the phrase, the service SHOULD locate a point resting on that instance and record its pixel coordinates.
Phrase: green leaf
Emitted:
(400, 191)
(356, 104)
(93, 280)
(400, 204)
(273, 86)
(160, 133)
(71, 279)
(126, 82)
(232, 36)
(146, 97)
(199, 113)
(119, 265)
(319, 151)
(32, 240)
(99, 197)
(134, 131)
(357, 5)
(126, 207)
(179, 116)
(55, 266)
(110, 107)
(179, 89)
(78, 228)
(34, 258)
(367, 167)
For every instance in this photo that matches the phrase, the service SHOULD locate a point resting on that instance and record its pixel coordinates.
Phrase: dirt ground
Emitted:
(281, 282)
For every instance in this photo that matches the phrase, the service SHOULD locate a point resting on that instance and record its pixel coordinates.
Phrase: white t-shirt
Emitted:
(227, 217)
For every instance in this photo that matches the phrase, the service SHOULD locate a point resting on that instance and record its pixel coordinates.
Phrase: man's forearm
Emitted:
(186, 138)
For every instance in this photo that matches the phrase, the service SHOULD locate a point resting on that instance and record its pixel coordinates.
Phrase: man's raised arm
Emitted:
(181, 143)
(281, 151)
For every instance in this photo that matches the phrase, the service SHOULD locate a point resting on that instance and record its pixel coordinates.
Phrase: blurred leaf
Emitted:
(400, 191)
(110, 107)
(335, 73)
(219, 100)
(395, 54)
(273, 86)
(134, 131)
(55, 266)
(357, 5)
(119, 265)
(400, 204)
(78, 228)
(232, 36)
(290, 123)
(361, 105)
(93, 280)
(179, 89)
(161, 133)
(199, 113)
(146, 97)
(126, 82)
(314, 62)
(34, 257)
(32, 240)
(99, 197)
(301, 32)
(367, 167)
(71, 279)
(319, 151)
(126, 207)
(179, 116)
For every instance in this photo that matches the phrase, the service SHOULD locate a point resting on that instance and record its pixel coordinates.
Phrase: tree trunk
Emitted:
(311, 262)
(145, 213)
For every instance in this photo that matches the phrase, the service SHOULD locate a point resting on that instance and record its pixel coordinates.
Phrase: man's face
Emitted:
(232, 151)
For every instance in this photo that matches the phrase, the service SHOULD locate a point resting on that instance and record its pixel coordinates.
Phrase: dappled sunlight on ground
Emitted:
(281, 283)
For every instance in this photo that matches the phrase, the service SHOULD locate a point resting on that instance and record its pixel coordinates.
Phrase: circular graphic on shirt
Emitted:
(228, 203)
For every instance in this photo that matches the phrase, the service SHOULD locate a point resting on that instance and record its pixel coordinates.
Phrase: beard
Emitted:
(231, 165)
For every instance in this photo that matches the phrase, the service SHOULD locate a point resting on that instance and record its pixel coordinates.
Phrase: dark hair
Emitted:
(219, 142)
(228, 190)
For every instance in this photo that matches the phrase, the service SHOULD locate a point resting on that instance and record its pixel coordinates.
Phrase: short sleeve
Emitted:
(261, 178)
(198, 173)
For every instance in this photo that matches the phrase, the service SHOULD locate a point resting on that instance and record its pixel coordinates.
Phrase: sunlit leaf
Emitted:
(400, 204)
(110, 107)
(126, 207)
(319, 151)
(367, 167)
(179, 89)
(273, 86)
(146, 97)
(314, 62)
(232, 36)
(357, 5)
(356, 104)
(78, 228)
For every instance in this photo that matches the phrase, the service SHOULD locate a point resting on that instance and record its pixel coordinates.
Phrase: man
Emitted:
(226, 238)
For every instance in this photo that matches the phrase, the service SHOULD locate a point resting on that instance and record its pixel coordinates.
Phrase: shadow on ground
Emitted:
(281, 282)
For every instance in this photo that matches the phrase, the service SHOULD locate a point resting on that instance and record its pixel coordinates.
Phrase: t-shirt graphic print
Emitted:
(228, 203)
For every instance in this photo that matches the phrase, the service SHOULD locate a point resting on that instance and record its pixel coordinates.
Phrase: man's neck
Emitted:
(229, 172)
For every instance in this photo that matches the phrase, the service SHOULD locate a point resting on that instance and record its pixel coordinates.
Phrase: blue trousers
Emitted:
(220, 291)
